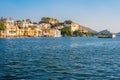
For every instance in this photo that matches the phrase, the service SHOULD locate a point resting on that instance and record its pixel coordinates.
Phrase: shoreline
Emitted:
(25, 37)
(41, 37)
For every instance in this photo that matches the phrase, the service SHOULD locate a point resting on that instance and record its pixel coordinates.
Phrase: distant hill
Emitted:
(104, 32)
(90, 30)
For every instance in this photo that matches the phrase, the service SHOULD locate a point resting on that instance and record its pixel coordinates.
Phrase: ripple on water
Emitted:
(60, 59)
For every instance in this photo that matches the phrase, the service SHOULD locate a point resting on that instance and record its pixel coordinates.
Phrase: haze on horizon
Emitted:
(95, 14)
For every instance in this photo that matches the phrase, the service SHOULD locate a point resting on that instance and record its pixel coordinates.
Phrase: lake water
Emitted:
(74, 58)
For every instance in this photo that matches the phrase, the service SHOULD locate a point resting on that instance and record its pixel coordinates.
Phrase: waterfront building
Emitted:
(52, 33)
(43, 26)
(38, 32)
(11, 31)
(47, 27)
(74, 27)
(57, 33)
(43, 29)
(10, 21)
(24, 24)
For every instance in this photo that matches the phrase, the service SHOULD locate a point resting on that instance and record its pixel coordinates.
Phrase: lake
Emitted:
(65, 58)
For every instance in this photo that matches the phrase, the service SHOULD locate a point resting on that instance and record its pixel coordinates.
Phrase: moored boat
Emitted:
(106, 36)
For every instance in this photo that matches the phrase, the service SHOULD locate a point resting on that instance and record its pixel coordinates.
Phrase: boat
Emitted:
(106, 36)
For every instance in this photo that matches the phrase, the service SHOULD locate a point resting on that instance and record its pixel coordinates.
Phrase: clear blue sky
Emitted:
(96, 14)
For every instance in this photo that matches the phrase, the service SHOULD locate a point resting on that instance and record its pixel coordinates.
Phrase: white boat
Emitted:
(107, 36)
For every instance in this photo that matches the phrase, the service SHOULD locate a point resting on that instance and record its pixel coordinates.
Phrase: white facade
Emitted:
(57, 33)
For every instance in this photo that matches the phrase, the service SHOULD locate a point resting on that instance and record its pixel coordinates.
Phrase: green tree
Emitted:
(18, 21)
(78, 33)
(68, 21)
(45, 20)
(89, 34)
(2, 26)
(28, 20)
(66, 31)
